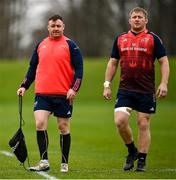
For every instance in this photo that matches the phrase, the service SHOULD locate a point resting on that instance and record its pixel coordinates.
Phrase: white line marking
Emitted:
(6, 153)
(44, 174)
(47, 176)
(167, 170)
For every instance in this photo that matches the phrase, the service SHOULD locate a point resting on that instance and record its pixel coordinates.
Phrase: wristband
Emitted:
(106, 84)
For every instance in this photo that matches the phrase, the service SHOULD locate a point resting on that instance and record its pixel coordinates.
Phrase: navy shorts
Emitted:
(145, 103)
(58, 105)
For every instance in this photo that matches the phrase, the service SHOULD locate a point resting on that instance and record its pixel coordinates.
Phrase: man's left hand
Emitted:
(71, 95)
(162, 90)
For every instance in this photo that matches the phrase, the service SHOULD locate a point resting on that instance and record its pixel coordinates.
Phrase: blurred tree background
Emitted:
(93, 24)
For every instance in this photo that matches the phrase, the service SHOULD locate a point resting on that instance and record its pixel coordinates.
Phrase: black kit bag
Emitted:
(18, 145)
(17, 142)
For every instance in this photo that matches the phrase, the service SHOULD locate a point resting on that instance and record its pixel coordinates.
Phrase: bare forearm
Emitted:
(111, 69)
(162, 88)
(164, 67)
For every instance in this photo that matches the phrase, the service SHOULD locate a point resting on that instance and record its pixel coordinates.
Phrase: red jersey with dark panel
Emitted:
(137, 53)
(56, 66)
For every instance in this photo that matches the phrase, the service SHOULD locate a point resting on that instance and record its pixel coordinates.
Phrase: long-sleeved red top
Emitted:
(56, 66)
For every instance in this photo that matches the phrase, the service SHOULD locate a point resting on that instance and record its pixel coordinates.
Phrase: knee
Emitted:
(143, 124)
(63, 127)
(40, 125)
(120, 123)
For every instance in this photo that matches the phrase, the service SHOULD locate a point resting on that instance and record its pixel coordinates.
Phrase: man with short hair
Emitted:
(57, 68)
(136, 51)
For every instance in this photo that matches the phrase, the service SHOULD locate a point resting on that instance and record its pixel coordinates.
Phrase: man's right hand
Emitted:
(107, 93)
(21, 91)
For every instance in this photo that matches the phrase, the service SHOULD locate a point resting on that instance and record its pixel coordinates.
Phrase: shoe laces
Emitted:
(64, 166)
(43, 163)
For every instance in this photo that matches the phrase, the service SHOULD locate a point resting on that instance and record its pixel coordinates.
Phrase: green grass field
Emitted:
(97, 151)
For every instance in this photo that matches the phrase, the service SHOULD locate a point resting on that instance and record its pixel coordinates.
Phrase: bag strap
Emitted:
(20, 110)
(20, 105)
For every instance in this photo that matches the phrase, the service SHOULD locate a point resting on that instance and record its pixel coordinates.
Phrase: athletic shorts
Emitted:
(145, 103)
(58, 105)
